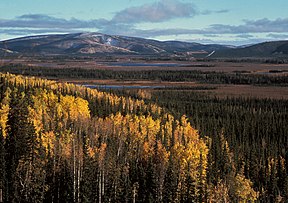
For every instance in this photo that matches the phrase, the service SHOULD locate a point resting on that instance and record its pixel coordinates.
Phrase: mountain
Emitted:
(265, 49)
(97, 43)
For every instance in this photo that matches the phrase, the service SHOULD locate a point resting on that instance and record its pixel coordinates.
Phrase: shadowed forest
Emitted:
(67, 143)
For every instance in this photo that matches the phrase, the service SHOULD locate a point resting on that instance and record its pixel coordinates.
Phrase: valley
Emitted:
(149, 73)
(159, 101)
(108, 126)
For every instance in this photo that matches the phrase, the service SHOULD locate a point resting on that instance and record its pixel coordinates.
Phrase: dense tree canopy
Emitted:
(66, 143)
(273, 77)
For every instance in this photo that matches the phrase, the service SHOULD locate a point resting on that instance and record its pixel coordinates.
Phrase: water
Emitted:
(146, 64)
(122, 87)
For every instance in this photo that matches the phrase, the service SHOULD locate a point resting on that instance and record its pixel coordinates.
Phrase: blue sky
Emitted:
(204, 21)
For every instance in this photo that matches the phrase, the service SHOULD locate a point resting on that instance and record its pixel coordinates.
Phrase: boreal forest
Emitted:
(62, 142)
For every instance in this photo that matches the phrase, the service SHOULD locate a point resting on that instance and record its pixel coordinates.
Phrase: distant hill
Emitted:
(97, 43)
(265, 49)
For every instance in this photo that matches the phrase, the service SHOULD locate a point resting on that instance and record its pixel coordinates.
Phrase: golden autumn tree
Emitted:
(99, 147)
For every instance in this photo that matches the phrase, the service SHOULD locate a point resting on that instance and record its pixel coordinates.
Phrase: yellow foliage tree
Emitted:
(242, 188)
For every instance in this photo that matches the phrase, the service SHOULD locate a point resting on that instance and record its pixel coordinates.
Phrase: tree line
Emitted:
(160, 75)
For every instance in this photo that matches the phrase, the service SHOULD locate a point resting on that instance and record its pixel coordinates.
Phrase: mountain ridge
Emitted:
(97, 43)
(264, 49)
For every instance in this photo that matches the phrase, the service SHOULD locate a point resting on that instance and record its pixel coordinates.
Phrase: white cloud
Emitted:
(125, 22)
(209, 12)
(160, 11)
(46, 21)
(277, 36)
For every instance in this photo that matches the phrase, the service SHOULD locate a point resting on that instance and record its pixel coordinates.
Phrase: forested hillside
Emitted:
(66, 143)
(254, 129)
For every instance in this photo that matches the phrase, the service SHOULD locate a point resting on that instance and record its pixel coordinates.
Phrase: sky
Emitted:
(232, 22)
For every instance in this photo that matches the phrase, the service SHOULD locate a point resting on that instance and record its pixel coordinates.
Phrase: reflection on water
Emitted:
(146, 64)
(122, 87)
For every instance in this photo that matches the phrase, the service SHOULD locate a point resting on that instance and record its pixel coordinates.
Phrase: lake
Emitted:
(122, 87)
